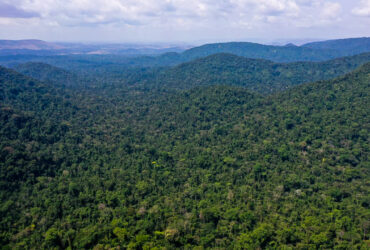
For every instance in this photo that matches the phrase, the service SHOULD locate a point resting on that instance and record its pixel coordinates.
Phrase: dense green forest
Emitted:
(222, 146)
(51, 74)
(256, 74)
(113, 156)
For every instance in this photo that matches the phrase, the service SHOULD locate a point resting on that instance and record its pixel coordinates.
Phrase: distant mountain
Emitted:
(350, 45)
(28, 45)
(42, 48)
(318, 51)
(259, 51)
(141, 56)
(285, 54)
(256, 74)
(290, 45)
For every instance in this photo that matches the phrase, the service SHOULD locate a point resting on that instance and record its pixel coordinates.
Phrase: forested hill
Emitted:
(258, 75)
(33, 118)
(27, 94)
(207, 167)
(259, 51)
(308, 52)
(349, 45)
(319, 51)
(50, 74)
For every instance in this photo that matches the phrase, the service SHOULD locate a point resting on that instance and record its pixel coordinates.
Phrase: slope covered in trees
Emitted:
(258, 75)
(33, 118)
(349, 45)
(28, 94)
(259, 51)
(211, 166)
(50, 74)
(319, 51)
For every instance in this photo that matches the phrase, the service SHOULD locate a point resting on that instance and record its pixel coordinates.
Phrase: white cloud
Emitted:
(130, 20)
(363, 9)
(181, 12)
(330, 10)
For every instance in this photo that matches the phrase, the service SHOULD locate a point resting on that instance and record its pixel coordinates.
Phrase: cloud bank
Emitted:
(179, 12)
(11, 11)
(363, 9)
(165, 19)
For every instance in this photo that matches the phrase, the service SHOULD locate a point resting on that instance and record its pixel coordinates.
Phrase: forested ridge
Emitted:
(256, 74)
(349, 45)
(222, 152)
(50, 74)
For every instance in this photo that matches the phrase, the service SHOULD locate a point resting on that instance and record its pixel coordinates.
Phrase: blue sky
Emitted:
(188, 21)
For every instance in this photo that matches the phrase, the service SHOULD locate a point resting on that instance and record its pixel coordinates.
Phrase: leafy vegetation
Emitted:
(203, 167)
(258, 75)
(255, 74)
(50, 74)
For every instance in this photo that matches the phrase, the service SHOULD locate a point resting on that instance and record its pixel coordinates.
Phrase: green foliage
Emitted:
(207, 167)
(50, 74)
(259, 238)
(255, 74)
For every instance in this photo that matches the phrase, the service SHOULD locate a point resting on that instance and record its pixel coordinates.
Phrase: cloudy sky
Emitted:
(183, 20)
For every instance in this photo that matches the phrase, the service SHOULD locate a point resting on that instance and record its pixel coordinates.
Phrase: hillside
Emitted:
(349, 46)
(48, 73)
(259, 51)
(258, 75)
(25, 93)
(209, 167)
(319, 51)
(32, 118)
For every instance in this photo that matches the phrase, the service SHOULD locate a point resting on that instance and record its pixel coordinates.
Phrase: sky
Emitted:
(187, 21)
